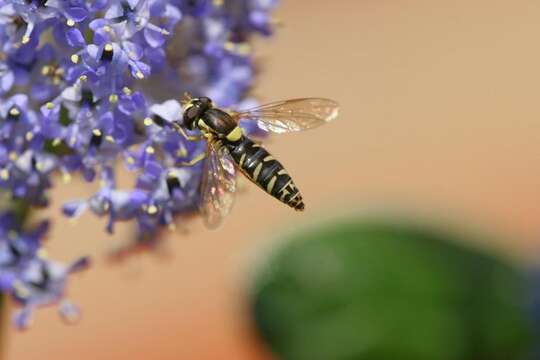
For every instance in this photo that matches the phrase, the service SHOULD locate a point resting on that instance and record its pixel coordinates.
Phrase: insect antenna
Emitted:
(186, 99)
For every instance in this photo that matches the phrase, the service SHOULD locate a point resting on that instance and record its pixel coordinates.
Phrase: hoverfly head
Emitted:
(194, 110)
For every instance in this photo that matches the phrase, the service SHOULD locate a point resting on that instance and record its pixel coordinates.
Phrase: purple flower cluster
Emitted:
(85, 83)
(27, 274)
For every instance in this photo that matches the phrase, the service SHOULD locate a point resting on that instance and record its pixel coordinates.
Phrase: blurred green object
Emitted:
(379, 290)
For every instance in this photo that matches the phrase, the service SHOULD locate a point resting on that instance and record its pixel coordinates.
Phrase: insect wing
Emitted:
(218, 186)
(292, 115)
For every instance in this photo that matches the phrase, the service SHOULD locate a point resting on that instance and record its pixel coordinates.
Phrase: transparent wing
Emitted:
(218, 185)
(292, 115)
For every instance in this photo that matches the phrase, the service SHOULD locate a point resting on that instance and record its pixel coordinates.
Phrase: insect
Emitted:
(229, 149)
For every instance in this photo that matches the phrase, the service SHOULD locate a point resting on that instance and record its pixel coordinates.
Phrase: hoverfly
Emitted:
(229, 149)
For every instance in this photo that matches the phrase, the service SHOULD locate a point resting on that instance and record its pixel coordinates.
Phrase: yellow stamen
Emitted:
(45, 70)
(42, 253)
(14, 111)
(21, 290)
(182, 152)
(152, 209)
(148, 121)
(244, 49)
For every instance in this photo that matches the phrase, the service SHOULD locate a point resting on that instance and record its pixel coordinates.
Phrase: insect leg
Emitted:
(184, 134)
(195, 160)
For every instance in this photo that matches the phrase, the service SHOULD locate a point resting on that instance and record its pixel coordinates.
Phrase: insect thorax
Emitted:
(218, 121)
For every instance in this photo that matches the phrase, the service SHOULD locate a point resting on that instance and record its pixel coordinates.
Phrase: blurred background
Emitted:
(439, 124)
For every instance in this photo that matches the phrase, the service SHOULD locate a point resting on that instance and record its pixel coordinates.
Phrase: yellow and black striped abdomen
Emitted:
(261, 168)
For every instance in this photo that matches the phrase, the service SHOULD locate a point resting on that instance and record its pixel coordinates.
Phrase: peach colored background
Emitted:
(440, 114)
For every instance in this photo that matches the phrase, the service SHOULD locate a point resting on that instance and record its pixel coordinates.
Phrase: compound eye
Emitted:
(205, 102)
(192, 112)
(190, 115)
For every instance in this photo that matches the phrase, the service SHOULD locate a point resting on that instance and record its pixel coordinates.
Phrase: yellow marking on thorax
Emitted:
(282, 172)
(268, 158)
(235, 134)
